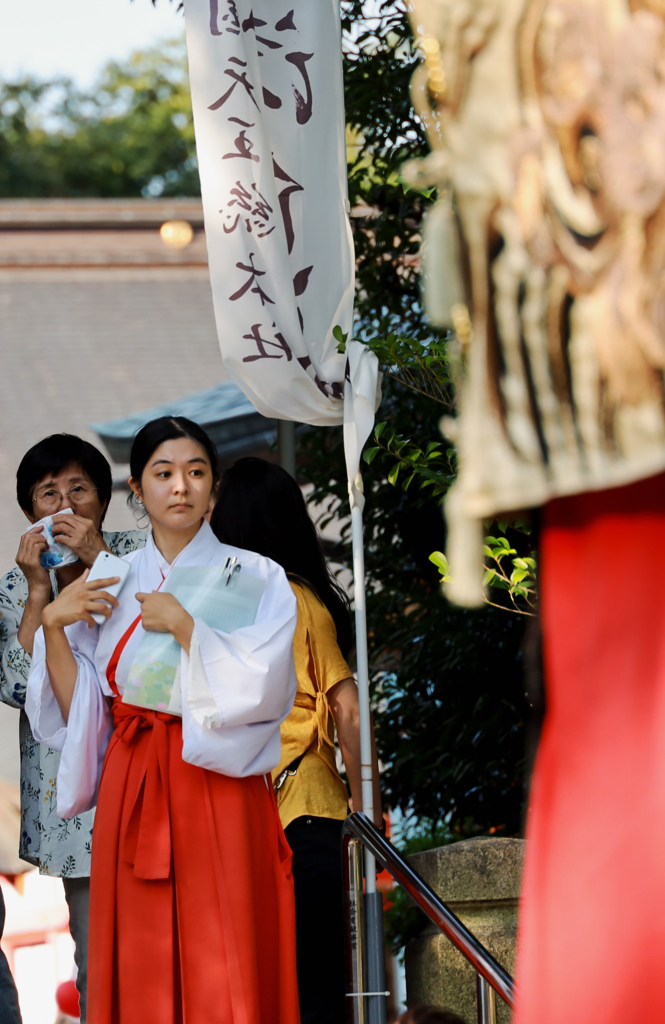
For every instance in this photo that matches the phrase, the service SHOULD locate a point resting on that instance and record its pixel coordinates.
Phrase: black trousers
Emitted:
(9, 1009)
(319, 891)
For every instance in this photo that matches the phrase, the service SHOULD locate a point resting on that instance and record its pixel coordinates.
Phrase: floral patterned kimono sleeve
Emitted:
(14, 661)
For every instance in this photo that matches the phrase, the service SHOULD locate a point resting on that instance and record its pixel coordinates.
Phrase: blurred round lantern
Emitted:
(67, 998)
(176, 233)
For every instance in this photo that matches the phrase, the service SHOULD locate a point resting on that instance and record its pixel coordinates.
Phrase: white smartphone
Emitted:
(106, 565)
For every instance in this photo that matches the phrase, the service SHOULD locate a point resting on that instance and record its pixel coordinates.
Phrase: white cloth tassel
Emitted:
(464, 553)
(441, 277)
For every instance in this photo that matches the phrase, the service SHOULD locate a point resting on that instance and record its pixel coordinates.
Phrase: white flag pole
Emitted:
(376, 980)
(360, 402)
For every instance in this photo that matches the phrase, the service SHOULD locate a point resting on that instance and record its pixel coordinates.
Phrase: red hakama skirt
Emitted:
(592, 926)
(191, 914)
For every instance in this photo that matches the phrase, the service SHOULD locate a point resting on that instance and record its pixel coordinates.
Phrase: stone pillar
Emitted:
(479, 879)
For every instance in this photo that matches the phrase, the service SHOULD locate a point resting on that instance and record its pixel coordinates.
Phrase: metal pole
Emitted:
(363, 677)
(375, 959)
(355, 937)
(486, 1001)
(286, 445)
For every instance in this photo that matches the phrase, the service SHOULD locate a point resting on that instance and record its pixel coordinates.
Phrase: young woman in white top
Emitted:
(192, 902)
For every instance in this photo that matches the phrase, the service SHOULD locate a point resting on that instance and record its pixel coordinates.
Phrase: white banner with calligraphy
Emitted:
(266, 79)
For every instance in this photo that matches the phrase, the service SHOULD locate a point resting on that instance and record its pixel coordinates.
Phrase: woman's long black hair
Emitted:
(260, 507)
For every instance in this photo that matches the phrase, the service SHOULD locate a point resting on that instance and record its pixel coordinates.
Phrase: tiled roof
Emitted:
(97, 233)
(116, 214)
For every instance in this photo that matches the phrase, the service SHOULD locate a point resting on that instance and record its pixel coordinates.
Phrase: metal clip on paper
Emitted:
(230, 571)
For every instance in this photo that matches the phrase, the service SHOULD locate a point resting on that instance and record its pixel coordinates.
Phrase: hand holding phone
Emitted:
(106, 565)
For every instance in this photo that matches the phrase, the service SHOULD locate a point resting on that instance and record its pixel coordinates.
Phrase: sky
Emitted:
(47, 38)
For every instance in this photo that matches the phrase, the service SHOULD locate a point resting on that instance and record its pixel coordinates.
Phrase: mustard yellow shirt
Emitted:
(316, 789)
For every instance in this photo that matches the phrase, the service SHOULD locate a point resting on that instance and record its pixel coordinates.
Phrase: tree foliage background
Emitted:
(130, 135)
(448, 692)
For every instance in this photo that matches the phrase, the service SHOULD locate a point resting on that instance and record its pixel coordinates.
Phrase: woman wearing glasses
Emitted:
(61, 471)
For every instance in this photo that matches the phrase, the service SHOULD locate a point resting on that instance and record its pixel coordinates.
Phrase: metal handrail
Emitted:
(492, 977)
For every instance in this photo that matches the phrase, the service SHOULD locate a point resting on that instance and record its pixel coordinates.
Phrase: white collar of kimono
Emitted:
(200, 550)
(164, 566)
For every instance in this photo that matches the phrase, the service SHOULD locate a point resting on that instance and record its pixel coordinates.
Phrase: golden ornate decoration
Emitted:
(548, 149)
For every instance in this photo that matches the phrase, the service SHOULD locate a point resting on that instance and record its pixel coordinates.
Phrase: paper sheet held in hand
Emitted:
(206, 592)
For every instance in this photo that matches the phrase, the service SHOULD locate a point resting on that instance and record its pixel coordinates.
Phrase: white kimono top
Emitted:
(237, 687)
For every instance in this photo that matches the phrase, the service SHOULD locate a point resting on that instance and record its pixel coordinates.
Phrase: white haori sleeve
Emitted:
(239, 687)
(83, 739)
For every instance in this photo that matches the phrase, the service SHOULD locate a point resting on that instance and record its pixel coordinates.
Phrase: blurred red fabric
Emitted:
(592, 925)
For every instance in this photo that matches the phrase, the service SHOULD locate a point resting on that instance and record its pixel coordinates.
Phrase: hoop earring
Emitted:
(139, 513)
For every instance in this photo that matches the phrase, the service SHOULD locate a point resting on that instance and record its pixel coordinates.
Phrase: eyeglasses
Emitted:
(51, 500)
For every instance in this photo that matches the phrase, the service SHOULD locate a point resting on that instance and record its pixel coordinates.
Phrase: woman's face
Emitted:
(72, 488)
(176, 484)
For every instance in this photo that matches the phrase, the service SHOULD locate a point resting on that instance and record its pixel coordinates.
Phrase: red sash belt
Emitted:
(145, 840)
